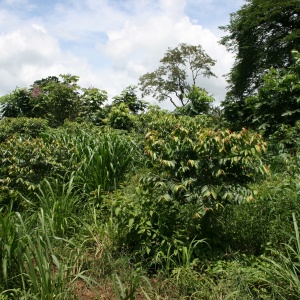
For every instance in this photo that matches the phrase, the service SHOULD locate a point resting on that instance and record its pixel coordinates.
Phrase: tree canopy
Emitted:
(180, 67)
(129, 97)
(55, 99)
(262, 34)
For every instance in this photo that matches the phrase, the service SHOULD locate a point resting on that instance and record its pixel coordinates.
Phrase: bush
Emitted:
(253, 226)
(28, 127)
(25, 162)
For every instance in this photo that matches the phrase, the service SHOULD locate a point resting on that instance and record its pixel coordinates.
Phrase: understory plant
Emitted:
(283, 267)
(31, 268)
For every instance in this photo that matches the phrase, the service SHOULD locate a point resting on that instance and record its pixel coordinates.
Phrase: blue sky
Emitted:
(108, 43)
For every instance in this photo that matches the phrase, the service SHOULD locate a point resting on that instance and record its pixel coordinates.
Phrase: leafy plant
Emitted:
(55, 99)
(277, 101)
(262, 34)
(200, 103)
(28, 127)
(210, 164)
(130, 99)
(25, 162)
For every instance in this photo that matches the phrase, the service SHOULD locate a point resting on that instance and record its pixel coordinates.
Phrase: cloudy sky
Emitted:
(108, 43)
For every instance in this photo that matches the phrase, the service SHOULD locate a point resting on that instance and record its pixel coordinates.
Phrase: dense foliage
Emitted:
(129, 201)
(262, 34)
(54, 100)
(277, 102)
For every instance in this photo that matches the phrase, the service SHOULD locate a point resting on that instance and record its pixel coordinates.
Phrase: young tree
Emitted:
(129, 97)
(179, 70)
(199, 103)
(261, 34)
(56, 99)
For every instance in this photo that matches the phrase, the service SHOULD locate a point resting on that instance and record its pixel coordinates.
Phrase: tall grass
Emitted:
(11, 250)
(33, 269)
(105, 162)
(60, 202)
(283, 267)
(100, 159)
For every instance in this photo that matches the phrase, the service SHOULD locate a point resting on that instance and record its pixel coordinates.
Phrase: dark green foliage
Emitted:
(262, 34)
(56, 100)
(286, 140)
(130, 99)
(261, 222)
(199, 103)
(120, 117)
(16, 104)
(278, 100)
(28, 127)
(91, 102)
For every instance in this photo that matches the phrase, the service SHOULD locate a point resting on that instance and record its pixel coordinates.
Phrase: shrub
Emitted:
(29, 127)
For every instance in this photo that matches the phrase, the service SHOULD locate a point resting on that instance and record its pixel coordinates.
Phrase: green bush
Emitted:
(120, 117)
(29, 127)
(212, 166)
(253, 226)
(192, 171)
(24, 164)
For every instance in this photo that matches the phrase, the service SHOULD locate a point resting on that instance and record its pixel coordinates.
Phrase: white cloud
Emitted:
(65, 41)
(145, 41)
(29, 54)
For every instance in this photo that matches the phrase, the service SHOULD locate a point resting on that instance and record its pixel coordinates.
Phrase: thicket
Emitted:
(175, 198)
(130, 201)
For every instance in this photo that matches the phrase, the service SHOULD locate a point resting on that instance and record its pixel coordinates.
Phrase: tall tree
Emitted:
(180, 67)
(261, 34)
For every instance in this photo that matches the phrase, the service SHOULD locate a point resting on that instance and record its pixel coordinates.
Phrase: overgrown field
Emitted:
(123, 200)
(177, 207)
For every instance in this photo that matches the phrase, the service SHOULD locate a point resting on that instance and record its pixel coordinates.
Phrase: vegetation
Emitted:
(179, 66)
(130, 201)
(262, 34)
(277, 101)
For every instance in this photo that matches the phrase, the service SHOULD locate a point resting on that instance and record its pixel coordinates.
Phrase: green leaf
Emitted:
(130, 223)
(117, 211)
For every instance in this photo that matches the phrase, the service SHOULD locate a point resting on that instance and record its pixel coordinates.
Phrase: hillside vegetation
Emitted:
(129, 201)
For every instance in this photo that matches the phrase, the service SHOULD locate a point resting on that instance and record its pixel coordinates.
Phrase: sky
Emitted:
(109, 44)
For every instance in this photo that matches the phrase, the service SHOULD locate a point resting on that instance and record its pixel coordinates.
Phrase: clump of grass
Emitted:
(31, 265)
(60, 203)
(283, 267)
